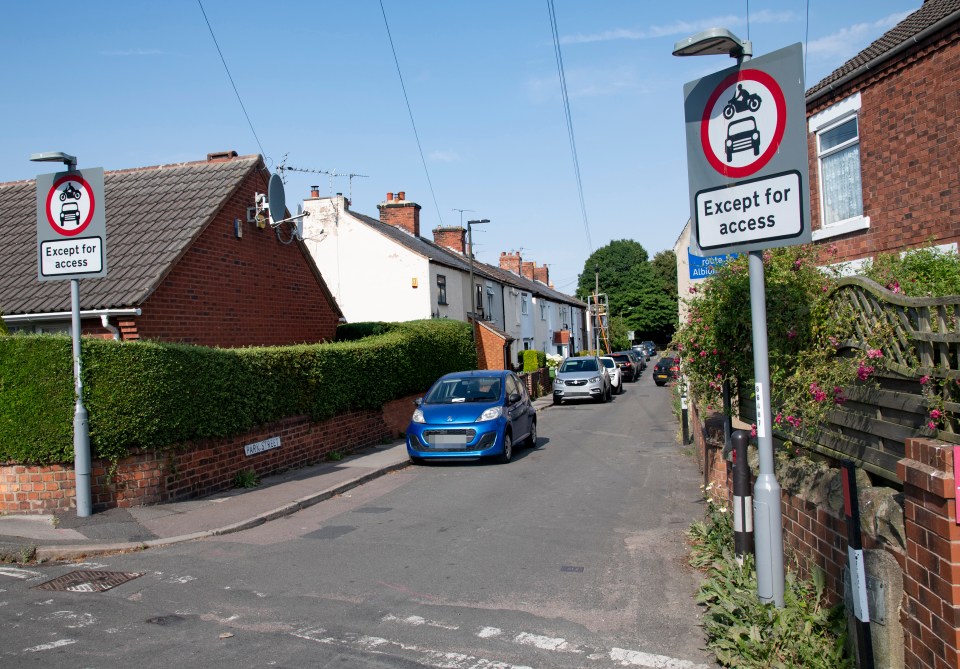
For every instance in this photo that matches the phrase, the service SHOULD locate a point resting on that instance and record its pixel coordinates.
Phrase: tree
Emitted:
(641, 293)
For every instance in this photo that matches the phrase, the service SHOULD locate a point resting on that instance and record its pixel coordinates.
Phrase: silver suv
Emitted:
(584, 377)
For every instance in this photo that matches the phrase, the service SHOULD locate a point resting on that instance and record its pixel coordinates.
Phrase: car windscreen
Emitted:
(473, 389)
(622, 358)
(579, 365)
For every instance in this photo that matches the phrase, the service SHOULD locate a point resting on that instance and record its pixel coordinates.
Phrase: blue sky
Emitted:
(127, 84)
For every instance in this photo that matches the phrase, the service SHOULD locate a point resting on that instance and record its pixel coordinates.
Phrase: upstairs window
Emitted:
(841, 192)
(441, 289)
(524, 304)
(837, 141)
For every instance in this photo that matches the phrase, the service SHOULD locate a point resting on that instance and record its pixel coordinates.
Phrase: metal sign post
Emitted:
(747, 168)
(72, 244)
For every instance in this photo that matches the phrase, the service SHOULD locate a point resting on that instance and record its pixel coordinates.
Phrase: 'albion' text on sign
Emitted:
(762, 209)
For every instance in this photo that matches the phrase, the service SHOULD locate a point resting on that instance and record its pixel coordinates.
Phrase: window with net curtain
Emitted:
(841, 194)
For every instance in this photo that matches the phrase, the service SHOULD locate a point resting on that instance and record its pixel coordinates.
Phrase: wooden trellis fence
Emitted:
(919, 337)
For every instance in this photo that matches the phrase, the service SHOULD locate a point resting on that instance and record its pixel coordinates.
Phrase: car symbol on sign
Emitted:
(70, 212)
(742, 135)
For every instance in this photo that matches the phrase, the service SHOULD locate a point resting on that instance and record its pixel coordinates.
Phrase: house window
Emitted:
(479, 300)
(543, 310)
(524, 304)
(489, 302)
(441, 289)
(837, 131)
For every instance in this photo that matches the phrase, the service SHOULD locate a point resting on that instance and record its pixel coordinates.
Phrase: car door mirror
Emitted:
(418, 401)
(514, 398)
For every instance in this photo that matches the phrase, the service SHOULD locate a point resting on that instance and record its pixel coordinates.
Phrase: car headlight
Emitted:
(418, 416)
(490, 414)
(595, 379)
(558, 382)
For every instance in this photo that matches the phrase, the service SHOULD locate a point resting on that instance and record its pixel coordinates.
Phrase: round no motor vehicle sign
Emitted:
(70, 205)
(743, 123)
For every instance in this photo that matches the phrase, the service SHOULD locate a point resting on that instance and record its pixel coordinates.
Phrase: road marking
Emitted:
(636, 658)
(50, 646)
(78, 619)
(488, 632)
(23, 574)
(544, 642)
(417, 621)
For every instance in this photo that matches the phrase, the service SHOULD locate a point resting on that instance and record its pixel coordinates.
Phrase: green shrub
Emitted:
(534, 360)
(150, 395)
(354, 331)
(742, 631)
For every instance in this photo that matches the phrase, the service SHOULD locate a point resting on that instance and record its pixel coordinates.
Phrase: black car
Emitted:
(628, 370)
(667, 368)
(651, 348)
(639, 361)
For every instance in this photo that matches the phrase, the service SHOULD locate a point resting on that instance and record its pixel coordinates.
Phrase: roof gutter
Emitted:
(884, 57)
(63, 315)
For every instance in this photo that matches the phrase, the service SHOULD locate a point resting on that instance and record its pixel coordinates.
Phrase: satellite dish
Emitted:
(276, 198)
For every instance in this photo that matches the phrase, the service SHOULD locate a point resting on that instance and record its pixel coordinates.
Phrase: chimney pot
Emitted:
(315, 192)
(389, 197)
(401, 195)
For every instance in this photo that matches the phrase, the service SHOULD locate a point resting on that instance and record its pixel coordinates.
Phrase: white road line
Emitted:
(545, 642)
(50, 646)
(636, 658)
(23, 574)
(417, 621)
(488, 632)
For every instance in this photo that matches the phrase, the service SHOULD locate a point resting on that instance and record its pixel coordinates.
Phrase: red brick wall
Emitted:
(909, 153)
(224, 291)
(451, 238)
(489, 348)
(930, 613)
(931, 582)
(401, 214)
(512, 262)
(200, 468)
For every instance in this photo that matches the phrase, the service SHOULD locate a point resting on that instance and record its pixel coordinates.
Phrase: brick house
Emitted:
(184, 263)
(884, 141)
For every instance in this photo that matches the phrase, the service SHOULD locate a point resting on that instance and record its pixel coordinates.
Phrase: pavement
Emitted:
(65, 536)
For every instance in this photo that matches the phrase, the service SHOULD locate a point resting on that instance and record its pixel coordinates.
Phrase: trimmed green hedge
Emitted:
(150, 395)
(534, 360)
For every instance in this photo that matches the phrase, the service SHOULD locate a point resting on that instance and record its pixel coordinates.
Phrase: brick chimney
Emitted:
(528, 269)
(511, 261)
(542, 274)
(400, 214)
(453, 238)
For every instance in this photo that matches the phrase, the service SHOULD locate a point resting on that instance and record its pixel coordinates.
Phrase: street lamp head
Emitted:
(478, 222)
(54, 157)
(714, 42)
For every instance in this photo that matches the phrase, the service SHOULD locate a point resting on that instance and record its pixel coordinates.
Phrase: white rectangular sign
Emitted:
(71, 256)
(760, 209)
(261, 446)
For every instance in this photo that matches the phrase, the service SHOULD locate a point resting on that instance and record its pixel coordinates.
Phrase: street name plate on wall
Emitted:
(261, 446)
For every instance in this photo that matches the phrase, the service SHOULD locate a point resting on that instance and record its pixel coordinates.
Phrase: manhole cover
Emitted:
(88, 581)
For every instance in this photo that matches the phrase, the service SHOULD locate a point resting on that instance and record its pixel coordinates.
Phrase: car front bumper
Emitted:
(430, 441)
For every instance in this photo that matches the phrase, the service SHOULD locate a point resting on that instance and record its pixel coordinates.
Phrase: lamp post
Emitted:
(473, 288)
(768, 518)
(81, 424)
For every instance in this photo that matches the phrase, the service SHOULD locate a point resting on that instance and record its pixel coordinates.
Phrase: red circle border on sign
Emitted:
(80, 228)
(745, 75)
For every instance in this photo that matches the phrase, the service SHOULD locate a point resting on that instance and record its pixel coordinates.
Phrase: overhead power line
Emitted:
(410, 112)
(566, 109)
(232, 83)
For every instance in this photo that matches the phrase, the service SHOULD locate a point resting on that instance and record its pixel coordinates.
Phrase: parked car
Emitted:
(642, 350)
(627, 368)
(667, 368)
(616, 378)
(651, 348)
(472, 415)
(639, 360)
(583, 377)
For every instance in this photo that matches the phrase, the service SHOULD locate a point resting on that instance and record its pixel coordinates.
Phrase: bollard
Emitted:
(742, 499)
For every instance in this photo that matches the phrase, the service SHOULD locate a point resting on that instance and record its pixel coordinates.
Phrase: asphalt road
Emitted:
(570, 556)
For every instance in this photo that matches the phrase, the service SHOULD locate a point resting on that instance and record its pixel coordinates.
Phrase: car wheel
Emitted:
(557, 401)
(507, 454)
(532, 438)
(417, 461)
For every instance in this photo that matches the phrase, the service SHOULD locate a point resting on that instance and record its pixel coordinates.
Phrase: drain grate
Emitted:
(571, 569)
(88, 581)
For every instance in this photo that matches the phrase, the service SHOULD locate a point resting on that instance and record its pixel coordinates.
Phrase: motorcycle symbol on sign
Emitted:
(742, 100)
(70, 192)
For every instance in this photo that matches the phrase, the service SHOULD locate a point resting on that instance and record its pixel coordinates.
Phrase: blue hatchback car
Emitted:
(472, 415)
